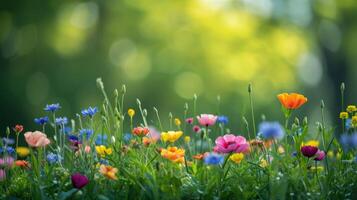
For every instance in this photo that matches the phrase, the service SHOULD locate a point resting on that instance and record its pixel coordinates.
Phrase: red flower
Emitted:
(140, 131)
(18, 128)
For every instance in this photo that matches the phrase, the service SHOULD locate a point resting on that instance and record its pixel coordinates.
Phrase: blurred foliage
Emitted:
(165, 51)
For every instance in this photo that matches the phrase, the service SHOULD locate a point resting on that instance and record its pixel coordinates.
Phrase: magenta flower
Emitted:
(320, 155)
(230, 143)
(79, 180)
(196, 129)
(189, 120)
(2, 175)
(207, 119)
(308, 151)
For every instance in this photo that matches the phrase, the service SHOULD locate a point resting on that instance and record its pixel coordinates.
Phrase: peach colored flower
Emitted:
(36, 139)
(109, 172)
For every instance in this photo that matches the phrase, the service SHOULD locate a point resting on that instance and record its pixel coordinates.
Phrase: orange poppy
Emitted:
(292, 101)
(22, 163)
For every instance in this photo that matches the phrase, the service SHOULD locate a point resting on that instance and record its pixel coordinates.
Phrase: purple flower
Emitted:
(41, 120)
(8, 141)
(52, 107)
(90, 112)
(79, 180)
(309, 151)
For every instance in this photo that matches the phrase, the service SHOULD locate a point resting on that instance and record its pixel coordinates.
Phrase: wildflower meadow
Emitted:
(112, 151)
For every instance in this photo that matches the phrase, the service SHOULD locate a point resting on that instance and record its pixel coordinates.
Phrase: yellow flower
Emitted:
(171, 136)
(313, 143)
(174, 154)
(103, 151)
(187, 139)
(351, 108)
(344, 115)
(237, 157)
(263, 163)
(177, 121)
(22, 151)
(354, 121)
(109, 172)
(281, 150)
(131, 112)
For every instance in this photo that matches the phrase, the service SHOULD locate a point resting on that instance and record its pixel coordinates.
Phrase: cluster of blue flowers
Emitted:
(101, 139)
(349, 141)
(271, 130)
(8, 150)
(54, 158)
(86, 133)
(213, 159)
(89, 112)
(61, 121)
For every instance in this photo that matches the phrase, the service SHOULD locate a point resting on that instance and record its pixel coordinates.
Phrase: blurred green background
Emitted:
(165, 51)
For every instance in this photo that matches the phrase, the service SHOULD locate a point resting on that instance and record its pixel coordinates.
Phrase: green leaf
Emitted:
(66, 195)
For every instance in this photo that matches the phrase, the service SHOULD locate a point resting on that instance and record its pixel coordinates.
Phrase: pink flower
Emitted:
(230, 143)
(196, 129)
(154, 133)
(87, 149)
(7, 161)
(207, 119)
(320, 155)
(189, 120)
(2, 175)
(36, 139)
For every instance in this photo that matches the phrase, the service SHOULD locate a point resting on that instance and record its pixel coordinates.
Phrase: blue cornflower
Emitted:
(41, 120)
(52, 107)
(349, 141)
(213, 159)
(222, 119)
(7, 141)
(271, 130)
(10, 150)
(294, 154)
(61, 120)
(87, 133)
(101, 139)
(127, 137)
(1, 150)
(90, 112)
(73, 137)
(53, 158)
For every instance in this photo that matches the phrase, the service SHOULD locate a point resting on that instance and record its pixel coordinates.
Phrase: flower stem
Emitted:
(250, 90)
